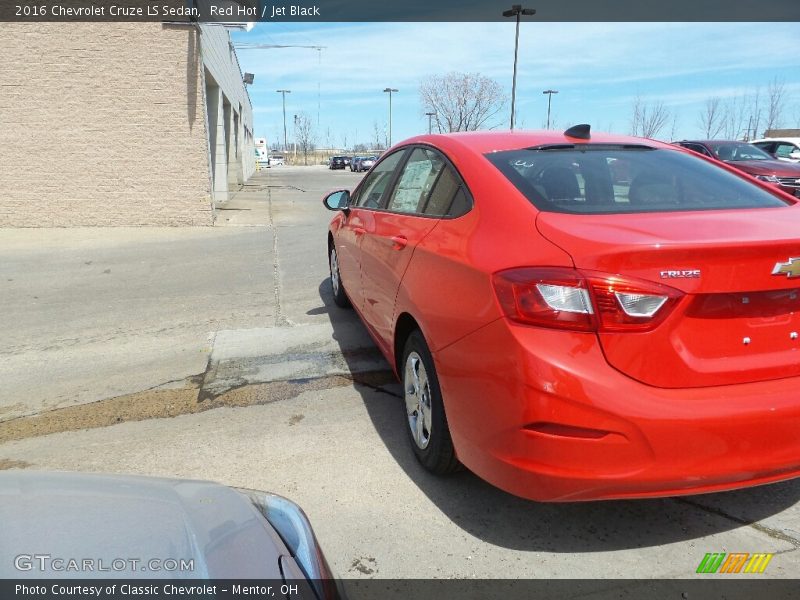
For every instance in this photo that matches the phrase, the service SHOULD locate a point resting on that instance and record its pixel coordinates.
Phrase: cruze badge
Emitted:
(791, 268)
(682, 274)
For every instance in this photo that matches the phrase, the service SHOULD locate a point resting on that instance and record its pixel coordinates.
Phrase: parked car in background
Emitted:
(202, 529)
(276, 160)
(750, 159)
(572, 330)
(362, 163)
(787, 149)
(338, 162)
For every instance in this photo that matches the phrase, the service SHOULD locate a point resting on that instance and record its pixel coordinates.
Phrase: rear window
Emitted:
(595, 178)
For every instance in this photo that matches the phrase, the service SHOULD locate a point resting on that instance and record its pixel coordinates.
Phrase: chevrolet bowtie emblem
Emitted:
(791, 268)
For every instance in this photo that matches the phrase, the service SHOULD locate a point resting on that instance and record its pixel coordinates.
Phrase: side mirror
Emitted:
(338, 200)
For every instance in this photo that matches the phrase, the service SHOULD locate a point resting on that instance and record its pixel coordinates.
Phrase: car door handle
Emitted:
(399, 242)
(359, 230)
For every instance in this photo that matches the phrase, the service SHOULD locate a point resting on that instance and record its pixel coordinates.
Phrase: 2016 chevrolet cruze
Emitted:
(578, 316)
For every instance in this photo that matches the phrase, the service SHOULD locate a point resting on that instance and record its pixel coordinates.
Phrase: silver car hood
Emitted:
(106, 518)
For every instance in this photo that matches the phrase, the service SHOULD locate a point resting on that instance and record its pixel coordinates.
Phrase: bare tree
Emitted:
(712, 118)
(377, 142)
(462, 101)
(647, 120)
(739, 112)
(673, 130)
(305, 135)
(776, 93)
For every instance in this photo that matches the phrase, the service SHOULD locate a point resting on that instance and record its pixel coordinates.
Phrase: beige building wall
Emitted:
(105, 125)
(221, 63)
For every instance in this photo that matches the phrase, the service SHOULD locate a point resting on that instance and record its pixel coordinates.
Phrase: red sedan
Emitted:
(577, 316)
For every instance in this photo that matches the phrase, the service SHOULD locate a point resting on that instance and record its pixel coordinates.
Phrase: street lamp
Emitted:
(516, 11)
(295, 139)
(284, 92)
(430, 116)
(549, 97)
(390, 90)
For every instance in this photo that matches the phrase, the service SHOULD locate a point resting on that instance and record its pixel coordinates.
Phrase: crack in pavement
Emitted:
(768, 531)
(280, 320)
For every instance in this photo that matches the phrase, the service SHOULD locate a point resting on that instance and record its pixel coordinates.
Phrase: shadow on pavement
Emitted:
(499, 518)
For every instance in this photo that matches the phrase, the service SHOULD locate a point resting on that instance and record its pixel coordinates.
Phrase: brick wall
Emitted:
(102, 125)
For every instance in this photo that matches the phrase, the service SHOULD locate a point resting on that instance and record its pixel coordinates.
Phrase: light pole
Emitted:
(283, 93)
(295, 138)
(549, 97)
(390, 90)
(516, 11)
(430, 116)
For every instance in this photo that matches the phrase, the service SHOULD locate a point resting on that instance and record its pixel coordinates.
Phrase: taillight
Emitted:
(582, 300)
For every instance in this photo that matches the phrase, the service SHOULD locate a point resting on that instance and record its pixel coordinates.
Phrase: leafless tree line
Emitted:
(743, 116)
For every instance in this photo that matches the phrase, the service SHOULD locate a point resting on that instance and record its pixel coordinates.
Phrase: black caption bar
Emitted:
(705, 588)
(240, 11)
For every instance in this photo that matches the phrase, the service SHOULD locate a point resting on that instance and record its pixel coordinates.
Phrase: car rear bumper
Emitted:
(541, 414)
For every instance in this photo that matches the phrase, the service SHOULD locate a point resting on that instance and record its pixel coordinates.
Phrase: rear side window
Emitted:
(784, 150)
(595, 178)
(448, 198)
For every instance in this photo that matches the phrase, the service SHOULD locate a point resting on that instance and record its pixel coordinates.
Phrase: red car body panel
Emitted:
(561, 425)
(700, 344)
(557, 415)
(387, 246)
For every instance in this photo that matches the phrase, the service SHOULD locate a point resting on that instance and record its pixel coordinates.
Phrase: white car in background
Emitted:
(276, 160)
(787, 148)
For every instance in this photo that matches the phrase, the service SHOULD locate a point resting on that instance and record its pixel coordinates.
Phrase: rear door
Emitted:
(391, 236)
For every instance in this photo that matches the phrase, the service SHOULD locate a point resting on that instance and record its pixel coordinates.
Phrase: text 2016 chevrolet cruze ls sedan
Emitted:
(577, 316)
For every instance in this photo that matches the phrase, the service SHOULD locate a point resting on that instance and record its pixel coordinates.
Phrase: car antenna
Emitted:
(579, 131)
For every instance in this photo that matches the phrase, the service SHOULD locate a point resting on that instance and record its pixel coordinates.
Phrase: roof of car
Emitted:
(791, 140)
(711, 142)
(110, 516)
(492, 141)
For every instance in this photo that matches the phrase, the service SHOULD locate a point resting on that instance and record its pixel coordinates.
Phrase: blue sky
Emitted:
(598, 69)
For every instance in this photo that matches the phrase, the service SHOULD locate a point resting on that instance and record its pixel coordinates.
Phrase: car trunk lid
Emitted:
(739, 318)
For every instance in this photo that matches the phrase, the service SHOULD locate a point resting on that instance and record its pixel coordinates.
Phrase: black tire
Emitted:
(337, 289)
(435, 451)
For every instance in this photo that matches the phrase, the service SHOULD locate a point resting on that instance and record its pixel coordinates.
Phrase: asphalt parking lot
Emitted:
(218, 354)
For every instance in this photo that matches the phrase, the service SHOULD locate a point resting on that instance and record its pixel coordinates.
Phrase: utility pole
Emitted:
(430, 116)
(549, 97)
(390, 90)
(295, 138)
(284, 92)
(516, 11)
